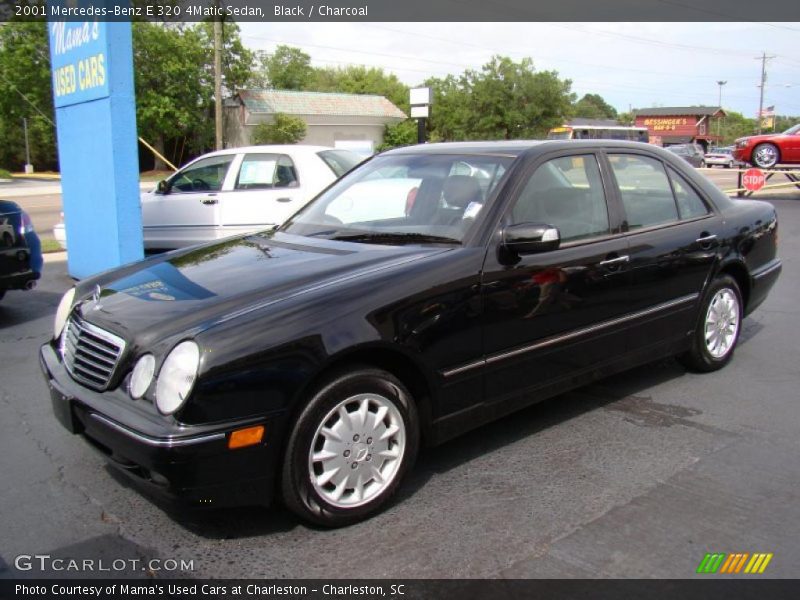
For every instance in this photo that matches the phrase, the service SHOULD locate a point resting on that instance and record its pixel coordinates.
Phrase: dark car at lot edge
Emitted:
(691, 153)
(20, 250)
(431, 290)
(767, 150)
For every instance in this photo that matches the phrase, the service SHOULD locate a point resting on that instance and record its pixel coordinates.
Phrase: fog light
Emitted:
(246, 437)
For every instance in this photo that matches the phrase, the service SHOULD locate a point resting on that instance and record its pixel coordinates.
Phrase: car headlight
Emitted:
(142, 376)
(177, 376)
(62, 313)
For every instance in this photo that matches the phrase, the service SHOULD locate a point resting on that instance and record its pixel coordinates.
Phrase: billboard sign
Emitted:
(78, 52)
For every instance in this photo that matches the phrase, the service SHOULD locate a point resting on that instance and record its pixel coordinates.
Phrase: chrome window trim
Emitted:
(563, 337)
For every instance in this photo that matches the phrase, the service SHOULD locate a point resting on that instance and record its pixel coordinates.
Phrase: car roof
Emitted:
(513, 148)
(272, 148)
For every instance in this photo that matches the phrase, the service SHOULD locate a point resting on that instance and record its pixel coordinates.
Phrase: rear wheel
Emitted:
(350, 448)
(765, 156)
(718, 327)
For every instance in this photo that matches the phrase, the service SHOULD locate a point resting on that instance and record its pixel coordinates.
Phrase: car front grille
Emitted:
(90, 354)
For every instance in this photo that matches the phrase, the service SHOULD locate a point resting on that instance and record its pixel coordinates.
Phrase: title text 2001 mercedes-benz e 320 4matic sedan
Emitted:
(430, 290)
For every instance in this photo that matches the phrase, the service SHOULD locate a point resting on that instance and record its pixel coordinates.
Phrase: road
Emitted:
(637, 476)
(44, 206)
(41, 200)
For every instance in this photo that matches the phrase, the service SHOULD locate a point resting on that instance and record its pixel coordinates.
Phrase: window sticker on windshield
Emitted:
(257, 172)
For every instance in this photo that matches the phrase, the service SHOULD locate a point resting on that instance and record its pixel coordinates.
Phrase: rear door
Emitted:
(189, 212)
(672, 235)
(267, 189)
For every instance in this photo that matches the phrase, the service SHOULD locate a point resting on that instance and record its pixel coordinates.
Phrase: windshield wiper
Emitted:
(395, 238)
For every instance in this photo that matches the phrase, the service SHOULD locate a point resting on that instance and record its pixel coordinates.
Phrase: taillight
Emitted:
(26, 225)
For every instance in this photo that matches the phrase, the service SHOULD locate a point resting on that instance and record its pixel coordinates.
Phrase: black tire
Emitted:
(765, 156)
(300, 485)
(699, 357)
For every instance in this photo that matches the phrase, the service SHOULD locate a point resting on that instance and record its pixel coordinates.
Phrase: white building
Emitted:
(329, 118)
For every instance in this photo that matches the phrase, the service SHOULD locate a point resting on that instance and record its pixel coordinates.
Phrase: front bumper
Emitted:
(189, 464)
(742, 154)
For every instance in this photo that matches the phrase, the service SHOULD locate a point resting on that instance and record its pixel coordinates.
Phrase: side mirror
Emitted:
(530, 238)
(162, 187)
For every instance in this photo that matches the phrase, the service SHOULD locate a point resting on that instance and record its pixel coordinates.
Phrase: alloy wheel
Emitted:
(357, 450)
(722, 323)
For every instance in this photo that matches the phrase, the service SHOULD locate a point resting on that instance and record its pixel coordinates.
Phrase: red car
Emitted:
(766, 151)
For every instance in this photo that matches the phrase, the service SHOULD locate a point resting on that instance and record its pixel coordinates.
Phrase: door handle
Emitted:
(285, 199)
(615, 262)
(706, 240)
(209, 201)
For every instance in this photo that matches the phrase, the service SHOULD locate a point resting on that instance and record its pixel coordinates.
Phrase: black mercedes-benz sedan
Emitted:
(430, 290)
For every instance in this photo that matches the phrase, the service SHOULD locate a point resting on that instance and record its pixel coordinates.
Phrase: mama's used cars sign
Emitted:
(78, 54)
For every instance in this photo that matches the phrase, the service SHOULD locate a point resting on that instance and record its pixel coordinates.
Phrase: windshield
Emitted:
(682, 150)
(340, 161)
(792, 130)
(413, 198)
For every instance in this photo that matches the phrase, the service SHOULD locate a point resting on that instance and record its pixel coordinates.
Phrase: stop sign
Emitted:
(753, 180)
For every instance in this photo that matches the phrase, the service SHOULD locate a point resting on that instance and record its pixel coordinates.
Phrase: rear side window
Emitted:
(566, 193)
(690, 204)
(266, 171)
(339, 161)
(645, 190)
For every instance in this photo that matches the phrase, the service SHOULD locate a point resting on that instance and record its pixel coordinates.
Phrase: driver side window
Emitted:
(566, 193)
(206, 175)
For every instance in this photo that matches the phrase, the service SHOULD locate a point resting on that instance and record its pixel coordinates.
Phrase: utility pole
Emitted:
(28, 166)
(763, 58)
(218, 81)
(719, 120)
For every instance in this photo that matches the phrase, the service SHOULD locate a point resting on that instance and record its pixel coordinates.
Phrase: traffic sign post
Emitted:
(753, 180)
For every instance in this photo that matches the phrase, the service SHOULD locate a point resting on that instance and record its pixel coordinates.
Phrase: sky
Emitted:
(629, 64)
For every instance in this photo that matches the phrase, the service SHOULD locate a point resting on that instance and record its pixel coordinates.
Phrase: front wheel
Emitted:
(718, 327)
(765, 156)
(350, 448)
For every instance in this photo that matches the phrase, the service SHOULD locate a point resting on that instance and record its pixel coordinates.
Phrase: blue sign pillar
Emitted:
(92, 65)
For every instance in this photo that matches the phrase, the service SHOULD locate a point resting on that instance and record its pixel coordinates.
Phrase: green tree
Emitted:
(593, 106)
(284, 129)
(735, 125)
(399, 134)
(287, 68)
(356, 79)
(172, 94)
(26, 92)
(504, 100)
(174, 76)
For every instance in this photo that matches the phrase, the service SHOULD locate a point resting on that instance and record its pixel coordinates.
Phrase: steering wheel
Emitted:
(200, 185)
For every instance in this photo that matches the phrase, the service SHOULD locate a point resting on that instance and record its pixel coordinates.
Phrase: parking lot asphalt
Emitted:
(638, 475)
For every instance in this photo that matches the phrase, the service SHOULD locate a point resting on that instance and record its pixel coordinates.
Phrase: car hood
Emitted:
(187, 291)
(755, 139)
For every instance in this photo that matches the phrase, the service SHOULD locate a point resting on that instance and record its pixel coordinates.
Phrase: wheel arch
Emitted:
(413, 375)
(737, 269)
